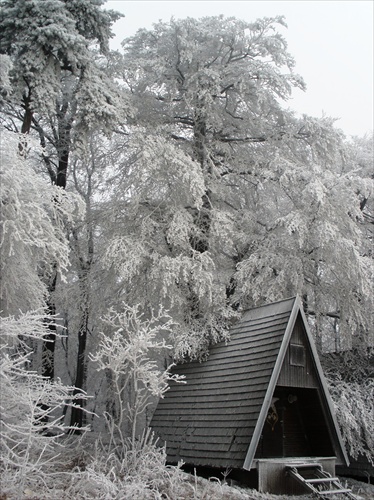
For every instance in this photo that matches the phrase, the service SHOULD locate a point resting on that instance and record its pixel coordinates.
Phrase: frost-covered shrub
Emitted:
(125, 352)
(142, 474)
(354, 407)
(31, 408)
(136, 473)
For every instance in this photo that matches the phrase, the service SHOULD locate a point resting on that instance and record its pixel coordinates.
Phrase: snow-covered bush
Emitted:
(140, 472)
(125, 352)
(354, 407)
(31, 408)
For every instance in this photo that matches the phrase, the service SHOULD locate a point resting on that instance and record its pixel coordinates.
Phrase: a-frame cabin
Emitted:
(259, 405)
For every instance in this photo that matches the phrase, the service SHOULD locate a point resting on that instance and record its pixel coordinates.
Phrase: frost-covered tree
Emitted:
(276, 192)
(351, 381)
(212, 86)
(148, 231)
(361, 162)
(91, 288)
(57, 87)
(32, 236)
(310, 241)
(54, 71)
(33, 245)
(206, 93)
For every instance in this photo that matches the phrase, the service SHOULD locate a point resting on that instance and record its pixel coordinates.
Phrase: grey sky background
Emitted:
(331, 41)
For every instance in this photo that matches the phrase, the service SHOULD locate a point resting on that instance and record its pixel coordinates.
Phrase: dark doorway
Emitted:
(295, 426)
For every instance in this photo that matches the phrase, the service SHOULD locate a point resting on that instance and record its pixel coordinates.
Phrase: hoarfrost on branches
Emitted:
(32, 408)
(354, 407)
(125, 351)
(32, 229)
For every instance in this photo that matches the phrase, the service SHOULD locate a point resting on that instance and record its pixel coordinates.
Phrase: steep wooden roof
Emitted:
(216, 418)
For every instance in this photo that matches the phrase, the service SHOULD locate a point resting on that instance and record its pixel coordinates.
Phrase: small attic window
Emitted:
(297, 355)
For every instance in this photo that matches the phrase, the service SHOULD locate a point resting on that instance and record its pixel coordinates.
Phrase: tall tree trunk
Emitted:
(48, 350)
(27, 117)
(232, 284)
(77, 418)
(63, 158)
(26, 123)
(203, 219)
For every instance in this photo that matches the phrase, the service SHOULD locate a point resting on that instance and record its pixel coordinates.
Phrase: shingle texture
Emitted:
(210, 420)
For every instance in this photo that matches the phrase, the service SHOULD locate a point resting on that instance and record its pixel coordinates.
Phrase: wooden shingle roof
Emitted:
(216, 418)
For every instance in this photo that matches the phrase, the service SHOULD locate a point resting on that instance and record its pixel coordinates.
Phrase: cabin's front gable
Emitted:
(298, 368)
(300, 420)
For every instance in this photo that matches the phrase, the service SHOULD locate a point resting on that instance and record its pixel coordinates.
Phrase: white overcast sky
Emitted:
(331, 41)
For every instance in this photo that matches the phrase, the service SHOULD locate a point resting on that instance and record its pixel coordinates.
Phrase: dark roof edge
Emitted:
(273, 381)
(326, 392)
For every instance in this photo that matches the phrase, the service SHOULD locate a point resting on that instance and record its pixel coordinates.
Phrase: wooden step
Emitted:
(333, 492)
(303, 465)
(314, 484)
(322, 480)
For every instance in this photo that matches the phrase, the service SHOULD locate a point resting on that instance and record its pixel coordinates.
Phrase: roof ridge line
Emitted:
(268, 304)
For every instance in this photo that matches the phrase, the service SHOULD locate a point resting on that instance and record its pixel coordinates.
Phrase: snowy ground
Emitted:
(192, 488)
(207, 490)
(81, 470)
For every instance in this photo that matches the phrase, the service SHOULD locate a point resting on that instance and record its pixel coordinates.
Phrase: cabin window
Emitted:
(297, 355)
